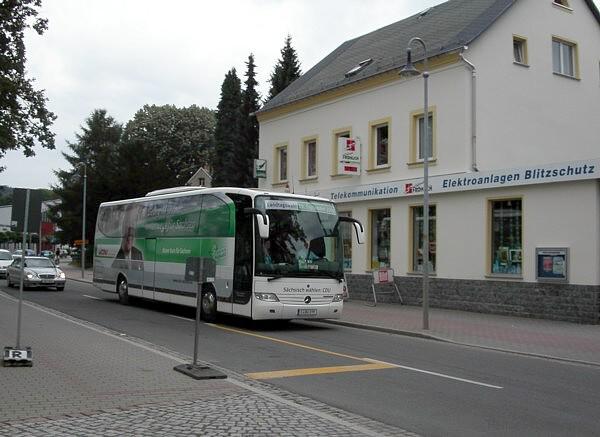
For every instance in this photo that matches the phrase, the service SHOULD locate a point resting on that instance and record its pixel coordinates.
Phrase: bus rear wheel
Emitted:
(208, 306)
(122, 290)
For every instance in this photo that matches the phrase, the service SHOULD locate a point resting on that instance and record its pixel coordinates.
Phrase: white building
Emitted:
(514, 105)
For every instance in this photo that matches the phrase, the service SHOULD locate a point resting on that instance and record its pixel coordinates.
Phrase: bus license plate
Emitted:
(307, 312)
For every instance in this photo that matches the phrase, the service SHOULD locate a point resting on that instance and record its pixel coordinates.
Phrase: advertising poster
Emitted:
(552, 264)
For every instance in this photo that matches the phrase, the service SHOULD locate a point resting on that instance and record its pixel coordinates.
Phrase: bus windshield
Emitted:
(303, 239)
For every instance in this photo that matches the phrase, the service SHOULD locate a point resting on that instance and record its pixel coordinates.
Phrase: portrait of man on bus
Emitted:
(128, 256)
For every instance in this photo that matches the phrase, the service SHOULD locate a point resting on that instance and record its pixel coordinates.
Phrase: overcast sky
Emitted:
(119, 55)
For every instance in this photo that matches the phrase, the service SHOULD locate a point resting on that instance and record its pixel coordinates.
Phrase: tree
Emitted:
(250, 104)
(163, 146)
(228, 135)
(95, 149)
(24, 119)
(286, 70)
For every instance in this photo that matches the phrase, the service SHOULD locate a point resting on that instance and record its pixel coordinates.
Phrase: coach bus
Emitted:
(262, 255)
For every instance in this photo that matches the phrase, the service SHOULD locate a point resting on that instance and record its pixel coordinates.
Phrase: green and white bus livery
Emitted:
(262, 255)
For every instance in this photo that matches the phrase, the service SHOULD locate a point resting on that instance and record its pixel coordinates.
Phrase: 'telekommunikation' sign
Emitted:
(571, 171)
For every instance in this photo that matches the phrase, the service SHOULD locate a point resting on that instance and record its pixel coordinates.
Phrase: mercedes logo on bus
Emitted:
(307, 299)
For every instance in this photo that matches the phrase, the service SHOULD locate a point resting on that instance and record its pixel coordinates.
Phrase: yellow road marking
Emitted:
(289, 343)
(318, 371)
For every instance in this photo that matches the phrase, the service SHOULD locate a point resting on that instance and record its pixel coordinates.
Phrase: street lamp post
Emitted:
(83, 223)
(407, 71)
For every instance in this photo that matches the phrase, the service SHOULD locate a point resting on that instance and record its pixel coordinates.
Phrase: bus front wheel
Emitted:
(208, 310)
(122, 290)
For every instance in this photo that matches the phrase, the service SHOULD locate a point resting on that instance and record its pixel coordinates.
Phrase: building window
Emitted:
(417, 137)
(506, 234)
(337, 134)
(281, 164)
(417, 238)
(202, 182)
(380, 238)
(309, 158)
(379, 139)
(564, 57)
(347, 242)
(520, 50)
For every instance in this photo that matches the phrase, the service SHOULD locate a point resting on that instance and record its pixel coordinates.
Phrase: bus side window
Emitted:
(214, 220)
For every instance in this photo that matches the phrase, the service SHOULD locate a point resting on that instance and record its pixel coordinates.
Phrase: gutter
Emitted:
(471, 67)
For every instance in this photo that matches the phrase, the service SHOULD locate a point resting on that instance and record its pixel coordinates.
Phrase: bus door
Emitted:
(149, 268)
(242, 267)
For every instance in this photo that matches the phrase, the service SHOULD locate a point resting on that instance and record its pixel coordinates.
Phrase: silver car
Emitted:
(6, 259)
(38, 272)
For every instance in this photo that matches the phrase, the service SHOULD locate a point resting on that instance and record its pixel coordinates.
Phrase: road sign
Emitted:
(18, 210)
(260, 168)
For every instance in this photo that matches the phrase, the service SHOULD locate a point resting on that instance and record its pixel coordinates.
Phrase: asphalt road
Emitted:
(429, 387)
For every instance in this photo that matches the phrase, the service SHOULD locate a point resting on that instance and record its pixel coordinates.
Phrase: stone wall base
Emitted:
(572, 303)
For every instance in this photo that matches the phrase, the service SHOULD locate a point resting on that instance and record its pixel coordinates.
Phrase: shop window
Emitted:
(520, 50)
(417, 136)
(506, 235)
(309, 159)
(380, 238)
(347, 241)
(379, 151)
(417, 238)
(564, 57)
(281, 163)
(337, 134)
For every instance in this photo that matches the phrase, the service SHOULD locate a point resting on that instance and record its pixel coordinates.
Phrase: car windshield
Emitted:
(303, 238)
(5, 256)
(38, 262)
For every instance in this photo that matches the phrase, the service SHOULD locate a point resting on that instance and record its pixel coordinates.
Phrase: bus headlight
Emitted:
(338, 297)
(267, 297)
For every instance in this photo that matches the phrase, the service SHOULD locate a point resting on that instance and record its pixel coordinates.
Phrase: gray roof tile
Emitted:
(444, 28)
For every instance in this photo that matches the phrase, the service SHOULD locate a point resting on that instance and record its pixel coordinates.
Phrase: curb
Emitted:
(446, 340)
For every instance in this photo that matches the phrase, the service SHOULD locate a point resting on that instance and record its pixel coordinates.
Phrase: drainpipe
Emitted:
(473, 109)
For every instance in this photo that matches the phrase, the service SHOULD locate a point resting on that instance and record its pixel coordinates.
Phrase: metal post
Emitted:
(197, 331)
(83, 224)
(426, 200)
(25, 224)
(410, 70)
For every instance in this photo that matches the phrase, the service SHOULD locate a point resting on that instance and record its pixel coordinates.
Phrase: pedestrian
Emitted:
(57, 256)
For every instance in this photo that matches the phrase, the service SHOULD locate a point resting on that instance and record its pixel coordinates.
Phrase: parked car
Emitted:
(38, 272)
(6, 259)
(47, 254)
(19, 252)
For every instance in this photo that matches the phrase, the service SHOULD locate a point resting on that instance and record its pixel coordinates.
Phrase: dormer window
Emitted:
(359, 67)
(563, 3)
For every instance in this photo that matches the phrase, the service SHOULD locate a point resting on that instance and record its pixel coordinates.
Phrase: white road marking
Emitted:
(182, 318)
(441, 375)
(92, 297)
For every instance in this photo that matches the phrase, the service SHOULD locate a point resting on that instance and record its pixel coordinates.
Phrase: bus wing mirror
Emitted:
(262, 221)
(358, 227)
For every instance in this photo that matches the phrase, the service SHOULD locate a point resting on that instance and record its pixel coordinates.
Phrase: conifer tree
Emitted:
(287, 69)
(228, 137)
(250, 104)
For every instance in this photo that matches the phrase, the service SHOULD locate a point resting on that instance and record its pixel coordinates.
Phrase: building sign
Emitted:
(349, 156)
(571, 171)
(260, 168)
(552, 264)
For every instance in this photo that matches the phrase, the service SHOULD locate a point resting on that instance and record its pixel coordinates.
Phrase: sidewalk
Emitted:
(544, 338)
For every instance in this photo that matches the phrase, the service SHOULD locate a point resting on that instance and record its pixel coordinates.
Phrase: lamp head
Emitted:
(409, 69)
